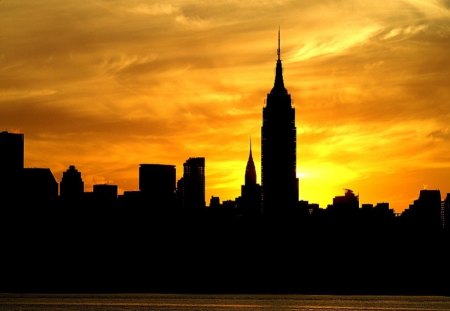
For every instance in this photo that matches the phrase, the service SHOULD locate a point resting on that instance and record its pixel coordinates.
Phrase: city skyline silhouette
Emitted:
(175, 233)
(156, 239)
(368, 88)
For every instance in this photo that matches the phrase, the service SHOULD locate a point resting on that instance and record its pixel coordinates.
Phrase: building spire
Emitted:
(278, 86)
(250, 170)
(279, 48)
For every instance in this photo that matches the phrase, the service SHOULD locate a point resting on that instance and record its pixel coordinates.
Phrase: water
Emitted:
(126, 302)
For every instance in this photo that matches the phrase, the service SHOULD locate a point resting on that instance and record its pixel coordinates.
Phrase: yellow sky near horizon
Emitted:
(106, 85)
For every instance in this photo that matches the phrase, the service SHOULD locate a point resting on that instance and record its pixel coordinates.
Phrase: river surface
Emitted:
(126, 302)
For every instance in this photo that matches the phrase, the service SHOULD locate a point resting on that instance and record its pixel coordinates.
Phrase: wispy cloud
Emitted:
(154, 9)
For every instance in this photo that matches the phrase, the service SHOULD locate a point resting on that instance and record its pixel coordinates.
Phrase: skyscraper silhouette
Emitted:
(11, 152)
(11, 165)
(250, 191)
(191, 188)
(71, 186)
(278, 144)
(250, 170)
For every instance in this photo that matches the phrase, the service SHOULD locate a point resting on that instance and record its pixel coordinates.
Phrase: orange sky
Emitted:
(106, 85)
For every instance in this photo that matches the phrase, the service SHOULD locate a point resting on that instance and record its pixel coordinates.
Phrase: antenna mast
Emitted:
(279, 49)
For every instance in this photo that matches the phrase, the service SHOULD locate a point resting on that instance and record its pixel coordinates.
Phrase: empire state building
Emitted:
(278, 144)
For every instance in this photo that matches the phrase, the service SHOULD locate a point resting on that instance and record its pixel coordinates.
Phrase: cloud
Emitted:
(409, 30)
(441, 134)
(40, 118)
(154, 9)
(333, 45)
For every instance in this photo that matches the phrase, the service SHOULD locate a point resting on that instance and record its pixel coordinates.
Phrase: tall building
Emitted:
(250, 201)
(250, 170)
(278, 144)
(11, 153)
(192, 185)
(11, 165)
(157, 184)
(71, 186)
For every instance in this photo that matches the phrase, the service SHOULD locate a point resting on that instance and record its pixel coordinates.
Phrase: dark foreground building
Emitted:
(250, 201)
(38, 188)
(191, 187)
(11, 165)
(425, 212)
(157, 184)
(11, 152)
(105, 196)
(278, 143)
(71, 187)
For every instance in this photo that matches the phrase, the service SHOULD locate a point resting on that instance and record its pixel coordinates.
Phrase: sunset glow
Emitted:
(107, 85)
